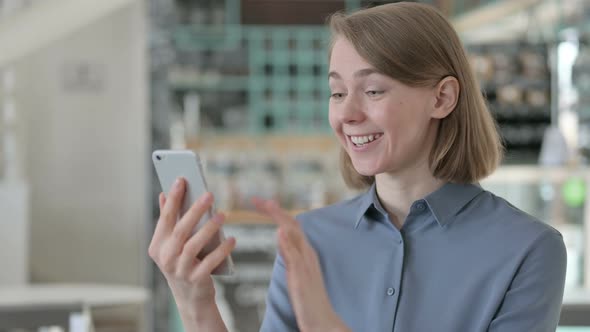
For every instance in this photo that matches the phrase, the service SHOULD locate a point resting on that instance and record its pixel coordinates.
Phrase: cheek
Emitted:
(410, 132)
(401, 125)
(334, 123)
(391, 119)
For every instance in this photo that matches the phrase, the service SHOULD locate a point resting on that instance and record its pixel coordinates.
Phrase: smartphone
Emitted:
(172, 164)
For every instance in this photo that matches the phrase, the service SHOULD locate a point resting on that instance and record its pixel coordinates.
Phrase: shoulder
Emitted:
(509, 225)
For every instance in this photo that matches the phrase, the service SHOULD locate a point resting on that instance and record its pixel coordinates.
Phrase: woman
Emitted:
(425, 248)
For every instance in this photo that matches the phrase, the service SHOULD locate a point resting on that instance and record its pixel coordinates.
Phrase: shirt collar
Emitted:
(367, 200)
(444, 203)
(369, 203)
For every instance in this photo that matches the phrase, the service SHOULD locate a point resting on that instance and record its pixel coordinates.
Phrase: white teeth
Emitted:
(360, 140)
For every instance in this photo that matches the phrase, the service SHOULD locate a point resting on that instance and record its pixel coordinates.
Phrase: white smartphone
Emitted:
(172, 164)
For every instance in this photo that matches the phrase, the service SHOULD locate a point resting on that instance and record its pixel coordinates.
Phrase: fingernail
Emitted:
(177, 183)
(207, 197)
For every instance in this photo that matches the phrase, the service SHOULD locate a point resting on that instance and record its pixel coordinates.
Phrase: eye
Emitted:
(337, 95)
(373, 93)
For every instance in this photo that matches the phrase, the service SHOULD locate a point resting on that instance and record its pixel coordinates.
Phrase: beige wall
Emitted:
(86, 152)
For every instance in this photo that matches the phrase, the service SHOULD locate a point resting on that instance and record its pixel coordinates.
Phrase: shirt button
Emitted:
(420, 206)
(390, 291)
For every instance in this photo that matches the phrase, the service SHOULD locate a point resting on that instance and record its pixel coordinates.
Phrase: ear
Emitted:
(446, 97)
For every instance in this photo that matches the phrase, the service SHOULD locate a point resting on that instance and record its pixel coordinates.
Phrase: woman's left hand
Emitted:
(305, 283)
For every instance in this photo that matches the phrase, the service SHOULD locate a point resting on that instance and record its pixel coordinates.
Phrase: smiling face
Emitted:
(384, 125)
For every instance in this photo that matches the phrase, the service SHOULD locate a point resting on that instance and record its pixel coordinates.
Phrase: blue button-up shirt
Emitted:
(465, 260)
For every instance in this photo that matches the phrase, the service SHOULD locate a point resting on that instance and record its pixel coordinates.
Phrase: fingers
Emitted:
(283, 219)
(211, 261)
(273, 210)
(162, 200)
(284, 247)
(268, 207)
(158, 231)
(187, 223)
(169, 213)
(289, 247)
(292, 243)
(198, 241)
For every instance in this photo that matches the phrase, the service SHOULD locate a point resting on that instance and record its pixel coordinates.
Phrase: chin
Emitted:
(366, 170)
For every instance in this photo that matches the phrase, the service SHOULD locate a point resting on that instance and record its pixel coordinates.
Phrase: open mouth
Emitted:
(364, 140)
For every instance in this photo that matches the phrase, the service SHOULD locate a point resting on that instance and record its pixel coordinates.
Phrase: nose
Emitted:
(351, 110)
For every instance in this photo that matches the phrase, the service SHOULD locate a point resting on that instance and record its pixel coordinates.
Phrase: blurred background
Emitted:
(89, 88)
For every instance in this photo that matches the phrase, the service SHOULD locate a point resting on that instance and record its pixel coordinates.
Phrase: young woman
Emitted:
(424, 248)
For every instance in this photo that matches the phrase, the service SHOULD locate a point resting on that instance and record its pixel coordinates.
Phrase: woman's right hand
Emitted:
(174, 248)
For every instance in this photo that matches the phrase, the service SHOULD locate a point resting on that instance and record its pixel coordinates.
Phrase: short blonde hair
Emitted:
(416, 45)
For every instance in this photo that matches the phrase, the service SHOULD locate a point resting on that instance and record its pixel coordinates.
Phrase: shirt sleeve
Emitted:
(279, 315)
(533, 300)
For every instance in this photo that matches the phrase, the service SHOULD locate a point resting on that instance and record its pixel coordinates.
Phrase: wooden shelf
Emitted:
(259, 142)
(247, 217)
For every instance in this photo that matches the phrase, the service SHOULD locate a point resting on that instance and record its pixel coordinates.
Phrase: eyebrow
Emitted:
(358, 74)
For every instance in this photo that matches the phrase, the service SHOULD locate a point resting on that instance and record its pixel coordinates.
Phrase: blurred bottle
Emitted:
(221, 168)
(259, 175)
(581, 81)
(305, 184)
(554, 148)
(192, 116)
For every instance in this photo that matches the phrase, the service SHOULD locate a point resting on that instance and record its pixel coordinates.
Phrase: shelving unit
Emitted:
(273, 76)
(282, 86)
(516, 80)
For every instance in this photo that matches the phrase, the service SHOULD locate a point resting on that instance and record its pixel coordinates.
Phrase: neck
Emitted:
(397, 191)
